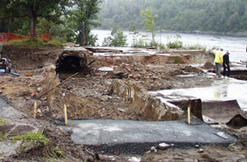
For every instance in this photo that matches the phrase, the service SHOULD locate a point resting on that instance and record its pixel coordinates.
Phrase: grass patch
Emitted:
(178, 60)
(197, 47)
(175, 45)
(56, 152)
(3, 122)
(35, 43)
(3, 136)
(37, 138)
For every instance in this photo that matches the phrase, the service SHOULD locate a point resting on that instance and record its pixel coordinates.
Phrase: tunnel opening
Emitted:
(71, 65)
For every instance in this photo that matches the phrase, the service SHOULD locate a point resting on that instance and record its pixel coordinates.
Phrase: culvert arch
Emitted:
(70, 63)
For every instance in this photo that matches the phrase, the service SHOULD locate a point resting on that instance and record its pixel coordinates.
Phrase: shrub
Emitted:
(198, 47)
(2, 121)
(35, 43)
(56, 152)
(117, 39)
(3, 136)
(37, 138)
(175, 45)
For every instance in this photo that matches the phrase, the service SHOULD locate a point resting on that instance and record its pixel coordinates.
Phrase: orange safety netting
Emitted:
(6, 37)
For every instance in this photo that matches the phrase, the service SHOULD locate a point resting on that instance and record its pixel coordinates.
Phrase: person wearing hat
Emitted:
(226, 64)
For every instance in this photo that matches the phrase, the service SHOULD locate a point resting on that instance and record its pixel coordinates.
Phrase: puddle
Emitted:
(221, 90)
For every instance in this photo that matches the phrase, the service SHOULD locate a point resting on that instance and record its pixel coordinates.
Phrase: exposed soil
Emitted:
(89, 95)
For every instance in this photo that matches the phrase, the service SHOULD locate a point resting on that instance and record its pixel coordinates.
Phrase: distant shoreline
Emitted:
(237, 34)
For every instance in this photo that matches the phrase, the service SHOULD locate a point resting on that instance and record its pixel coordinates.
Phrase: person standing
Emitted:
(218, 61)
(226, 65)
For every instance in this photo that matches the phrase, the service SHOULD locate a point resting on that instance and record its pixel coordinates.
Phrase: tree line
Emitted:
(221, 16)
(65, 20)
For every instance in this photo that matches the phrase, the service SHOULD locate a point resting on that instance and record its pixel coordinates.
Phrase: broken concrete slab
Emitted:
(6, 128)
(221, 111)
(141, 100)
(21, 130)
(8, 149)
(238, 121)
(6, 111)
(125, 133)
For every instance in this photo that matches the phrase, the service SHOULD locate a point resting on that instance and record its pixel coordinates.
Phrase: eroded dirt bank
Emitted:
(92, 93)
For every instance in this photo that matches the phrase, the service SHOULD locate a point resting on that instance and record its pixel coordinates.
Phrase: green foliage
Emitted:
(32, 10)
(175, 60)
(178, 60)
(37, 138)
(197, 47)
(178, 15)
(59, 32)
(149, 21)
(140, 44)
(162, 46)
(56, 152)
(35, 43)
(3, 121)
(176, 44)
(117, 39)
(3, 136)
(143, 43)
(82, 18)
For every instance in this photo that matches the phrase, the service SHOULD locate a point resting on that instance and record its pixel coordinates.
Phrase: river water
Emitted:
(236, 45)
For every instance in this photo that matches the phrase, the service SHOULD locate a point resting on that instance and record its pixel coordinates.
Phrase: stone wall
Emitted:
(141, 100)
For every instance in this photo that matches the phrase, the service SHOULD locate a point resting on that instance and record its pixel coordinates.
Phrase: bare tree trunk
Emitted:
(83, 36)
(33, 22)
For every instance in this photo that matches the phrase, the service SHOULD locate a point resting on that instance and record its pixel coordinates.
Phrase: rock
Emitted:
(163, 146)
(153, 149)
(21, 130)
(26, 147)
(134, 159)
(29, 74)
(197, 146)
(236, 147)
(116, 153)
(121, 110)
(39, 89)
(200, 151)
(32, 95)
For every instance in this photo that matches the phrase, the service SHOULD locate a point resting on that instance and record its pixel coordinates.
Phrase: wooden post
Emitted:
(189, 113)
(65, 114)
(35, 110)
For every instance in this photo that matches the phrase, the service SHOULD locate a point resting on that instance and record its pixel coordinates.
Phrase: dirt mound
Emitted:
(192, 69)
(208, 65)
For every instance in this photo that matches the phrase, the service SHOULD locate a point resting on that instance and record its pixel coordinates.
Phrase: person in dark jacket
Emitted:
(226, 64)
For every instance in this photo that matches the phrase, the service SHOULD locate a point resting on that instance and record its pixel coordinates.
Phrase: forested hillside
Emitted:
(226, 16)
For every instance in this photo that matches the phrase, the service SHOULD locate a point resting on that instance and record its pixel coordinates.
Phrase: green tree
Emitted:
(33, 9)
(226, 16)
(149, 21)
(83, 18)
(58, 31)
(117, 39)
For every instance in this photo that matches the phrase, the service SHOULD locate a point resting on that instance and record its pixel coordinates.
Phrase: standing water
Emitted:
(220, 90)
(235, 45)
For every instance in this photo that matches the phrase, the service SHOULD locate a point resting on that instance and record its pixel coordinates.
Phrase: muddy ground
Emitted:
(89, 95)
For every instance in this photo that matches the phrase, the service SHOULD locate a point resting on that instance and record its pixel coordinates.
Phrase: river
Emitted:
(235, 45)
